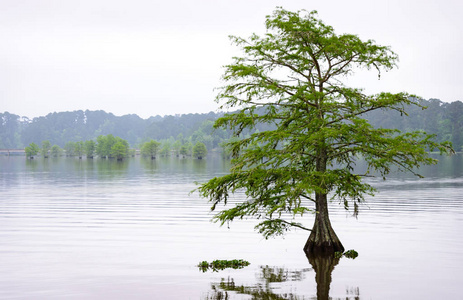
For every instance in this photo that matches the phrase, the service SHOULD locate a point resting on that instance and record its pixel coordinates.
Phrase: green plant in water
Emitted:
(217, 265)
(203, 265)
(349, 254)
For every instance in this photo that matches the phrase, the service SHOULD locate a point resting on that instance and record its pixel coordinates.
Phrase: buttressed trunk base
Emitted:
(322, 240)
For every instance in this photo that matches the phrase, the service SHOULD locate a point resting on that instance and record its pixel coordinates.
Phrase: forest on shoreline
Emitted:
(445, 120)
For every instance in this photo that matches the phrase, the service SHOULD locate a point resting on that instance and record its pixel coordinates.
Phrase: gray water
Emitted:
(99, 229)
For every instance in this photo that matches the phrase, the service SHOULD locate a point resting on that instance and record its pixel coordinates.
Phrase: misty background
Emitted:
(165, 57)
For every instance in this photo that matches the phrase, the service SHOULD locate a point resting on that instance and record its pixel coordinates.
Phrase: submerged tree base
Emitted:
(313, 248)
(322, 241)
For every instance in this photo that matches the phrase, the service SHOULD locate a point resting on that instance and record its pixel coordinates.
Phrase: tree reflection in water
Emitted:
(263, 289)
(323, 267)
(268, 278)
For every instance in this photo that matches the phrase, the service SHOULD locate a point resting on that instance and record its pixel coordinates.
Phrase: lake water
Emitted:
(99, 229)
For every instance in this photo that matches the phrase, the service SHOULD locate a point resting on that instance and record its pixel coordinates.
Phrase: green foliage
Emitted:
(150, 148)
(63, 127)
(199, 150)
(120, 149)
(56, 151)
(218, 265)
(74, 149)
(290, 80)
(45, 150)
(32, 150)
(70, 148)
(440, 118)
(79, 148)
(10, 128)
(189, 147)
(89, 148)
(349, 254)
(184, 150)
(226, 147)
(165, 150)
(104, 145)
(176, 147)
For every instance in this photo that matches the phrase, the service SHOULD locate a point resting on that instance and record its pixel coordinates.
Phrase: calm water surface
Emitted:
(97, 229)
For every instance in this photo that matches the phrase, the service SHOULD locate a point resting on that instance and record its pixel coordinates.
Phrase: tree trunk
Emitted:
(322, 240)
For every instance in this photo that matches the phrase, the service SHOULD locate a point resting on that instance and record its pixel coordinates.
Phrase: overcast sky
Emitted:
(151, 57)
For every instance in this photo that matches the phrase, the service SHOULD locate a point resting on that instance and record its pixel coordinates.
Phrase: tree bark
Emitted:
(322, 240)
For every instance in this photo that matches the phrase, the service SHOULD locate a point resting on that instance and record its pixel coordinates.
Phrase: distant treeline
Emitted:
(440, 118)
(64, 127)
(110, 146)
(445, 120)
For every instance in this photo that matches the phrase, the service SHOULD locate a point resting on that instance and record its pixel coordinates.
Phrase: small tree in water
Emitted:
(46, 147)
(32, 150)
(150, 148)
(199, 150)
(291, 79)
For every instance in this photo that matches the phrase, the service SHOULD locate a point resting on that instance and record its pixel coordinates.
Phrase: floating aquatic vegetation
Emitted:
(218, 265)
(349, 254)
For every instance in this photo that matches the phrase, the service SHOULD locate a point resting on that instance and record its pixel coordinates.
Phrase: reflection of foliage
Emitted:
(217, 265)
(271, 281)
(263, 289)
(112, 168)
(275, 274)
(256, 292)
(352, 293)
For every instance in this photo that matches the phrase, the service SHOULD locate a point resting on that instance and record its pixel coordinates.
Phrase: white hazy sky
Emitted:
(152, 57)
